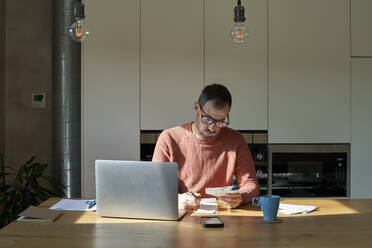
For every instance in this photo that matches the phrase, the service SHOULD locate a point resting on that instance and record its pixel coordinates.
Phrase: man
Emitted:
(209, 153)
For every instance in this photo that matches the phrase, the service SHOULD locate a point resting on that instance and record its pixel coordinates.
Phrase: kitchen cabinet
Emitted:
(110, 86)
(172, 57)
(361, 32)
(241, 67)
(309, 71)
(361, 123)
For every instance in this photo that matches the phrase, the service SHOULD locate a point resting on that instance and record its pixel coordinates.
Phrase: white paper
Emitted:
(25, 218)
(208, 200)
(295, 209)
(208, 204)
(203, 211)
(73, 205)
(219, 191)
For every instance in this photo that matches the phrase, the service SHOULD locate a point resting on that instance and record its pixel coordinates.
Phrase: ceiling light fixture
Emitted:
(239, 32)
(78, 30)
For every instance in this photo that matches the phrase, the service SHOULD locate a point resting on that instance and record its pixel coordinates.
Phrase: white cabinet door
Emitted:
(241, 67)
(309, 71)
(361, 123)
(361, 31)
(110, 86)
(172, 49)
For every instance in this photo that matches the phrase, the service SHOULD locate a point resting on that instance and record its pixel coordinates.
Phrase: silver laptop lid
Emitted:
(137, 189)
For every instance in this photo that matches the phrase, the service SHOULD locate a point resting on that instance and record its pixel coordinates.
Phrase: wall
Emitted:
(110, 86)
(28, 68)
(361, 122)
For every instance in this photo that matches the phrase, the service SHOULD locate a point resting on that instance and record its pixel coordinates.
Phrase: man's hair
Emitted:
(217, 93)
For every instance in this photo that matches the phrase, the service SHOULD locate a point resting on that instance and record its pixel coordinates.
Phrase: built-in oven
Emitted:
(304, 170)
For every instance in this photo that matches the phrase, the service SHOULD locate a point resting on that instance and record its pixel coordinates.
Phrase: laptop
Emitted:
(137, 189)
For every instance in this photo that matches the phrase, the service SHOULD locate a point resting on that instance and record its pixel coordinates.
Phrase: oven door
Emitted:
(309, 170)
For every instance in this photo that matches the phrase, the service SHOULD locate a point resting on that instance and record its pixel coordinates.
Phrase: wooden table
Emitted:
(337, 223)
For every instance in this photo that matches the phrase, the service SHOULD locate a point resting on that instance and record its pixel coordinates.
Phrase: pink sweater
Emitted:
(208, 163)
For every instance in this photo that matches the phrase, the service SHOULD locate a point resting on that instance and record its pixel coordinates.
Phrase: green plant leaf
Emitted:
(37, 169)
(32, 199)
(10, 208)
(18, 180)
(46, 191)
(30, 160)
(38, 192)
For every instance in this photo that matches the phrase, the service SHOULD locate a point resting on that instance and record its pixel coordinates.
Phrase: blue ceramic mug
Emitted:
(269, 205)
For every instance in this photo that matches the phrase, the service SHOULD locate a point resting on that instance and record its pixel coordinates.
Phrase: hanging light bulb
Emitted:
(239, 32)
(78, 30)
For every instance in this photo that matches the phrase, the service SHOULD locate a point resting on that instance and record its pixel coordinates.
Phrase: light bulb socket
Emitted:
(79, 11)
(239, 13)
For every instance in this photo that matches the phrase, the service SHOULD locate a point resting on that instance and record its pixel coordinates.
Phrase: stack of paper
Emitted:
(33, 213)
(74, 205)
(295, 209)
(208, 206)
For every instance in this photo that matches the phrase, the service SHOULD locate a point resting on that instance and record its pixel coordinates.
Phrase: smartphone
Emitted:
(211, 221)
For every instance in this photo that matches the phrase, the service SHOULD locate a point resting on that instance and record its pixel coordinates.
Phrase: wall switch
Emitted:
(38, 100)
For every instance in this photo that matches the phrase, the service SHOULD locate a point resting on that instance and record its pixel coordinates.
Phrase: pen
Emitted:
(91, 203)
(193, 194)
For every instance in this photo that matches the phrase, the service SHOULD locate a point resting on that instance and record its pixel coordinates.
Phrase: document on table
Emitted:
(219, 191)
(208, 206)
(74, 205)
(295, 209)
(203, 211)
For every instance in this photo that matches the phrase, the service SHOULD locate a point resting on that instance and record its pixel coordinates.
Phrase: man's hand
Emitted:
(190, 201)
(232, 199)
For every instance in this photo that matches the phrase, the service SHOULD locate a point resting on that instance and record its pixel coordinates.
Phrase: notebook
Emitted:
(137, 189)
(33, 213)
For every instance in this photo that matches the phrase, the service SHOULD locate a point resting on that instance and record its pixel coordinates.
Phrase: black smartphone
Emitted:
(211, 221)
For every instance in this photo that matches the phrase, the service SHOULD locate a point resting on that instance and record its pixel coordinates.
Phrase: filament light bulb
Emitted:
(239, 32)
(78, 30)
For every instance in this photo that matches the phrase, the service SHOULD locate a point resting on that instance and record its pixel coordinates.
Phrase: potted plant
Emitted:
(20, 189)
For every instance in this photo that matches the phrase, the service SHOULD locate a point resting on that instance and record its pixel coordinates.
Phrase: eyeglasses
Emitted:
(206, 119)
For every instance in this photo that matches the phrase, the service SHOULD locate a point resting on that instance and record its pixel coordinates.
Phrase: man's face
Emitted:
(210, 112)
